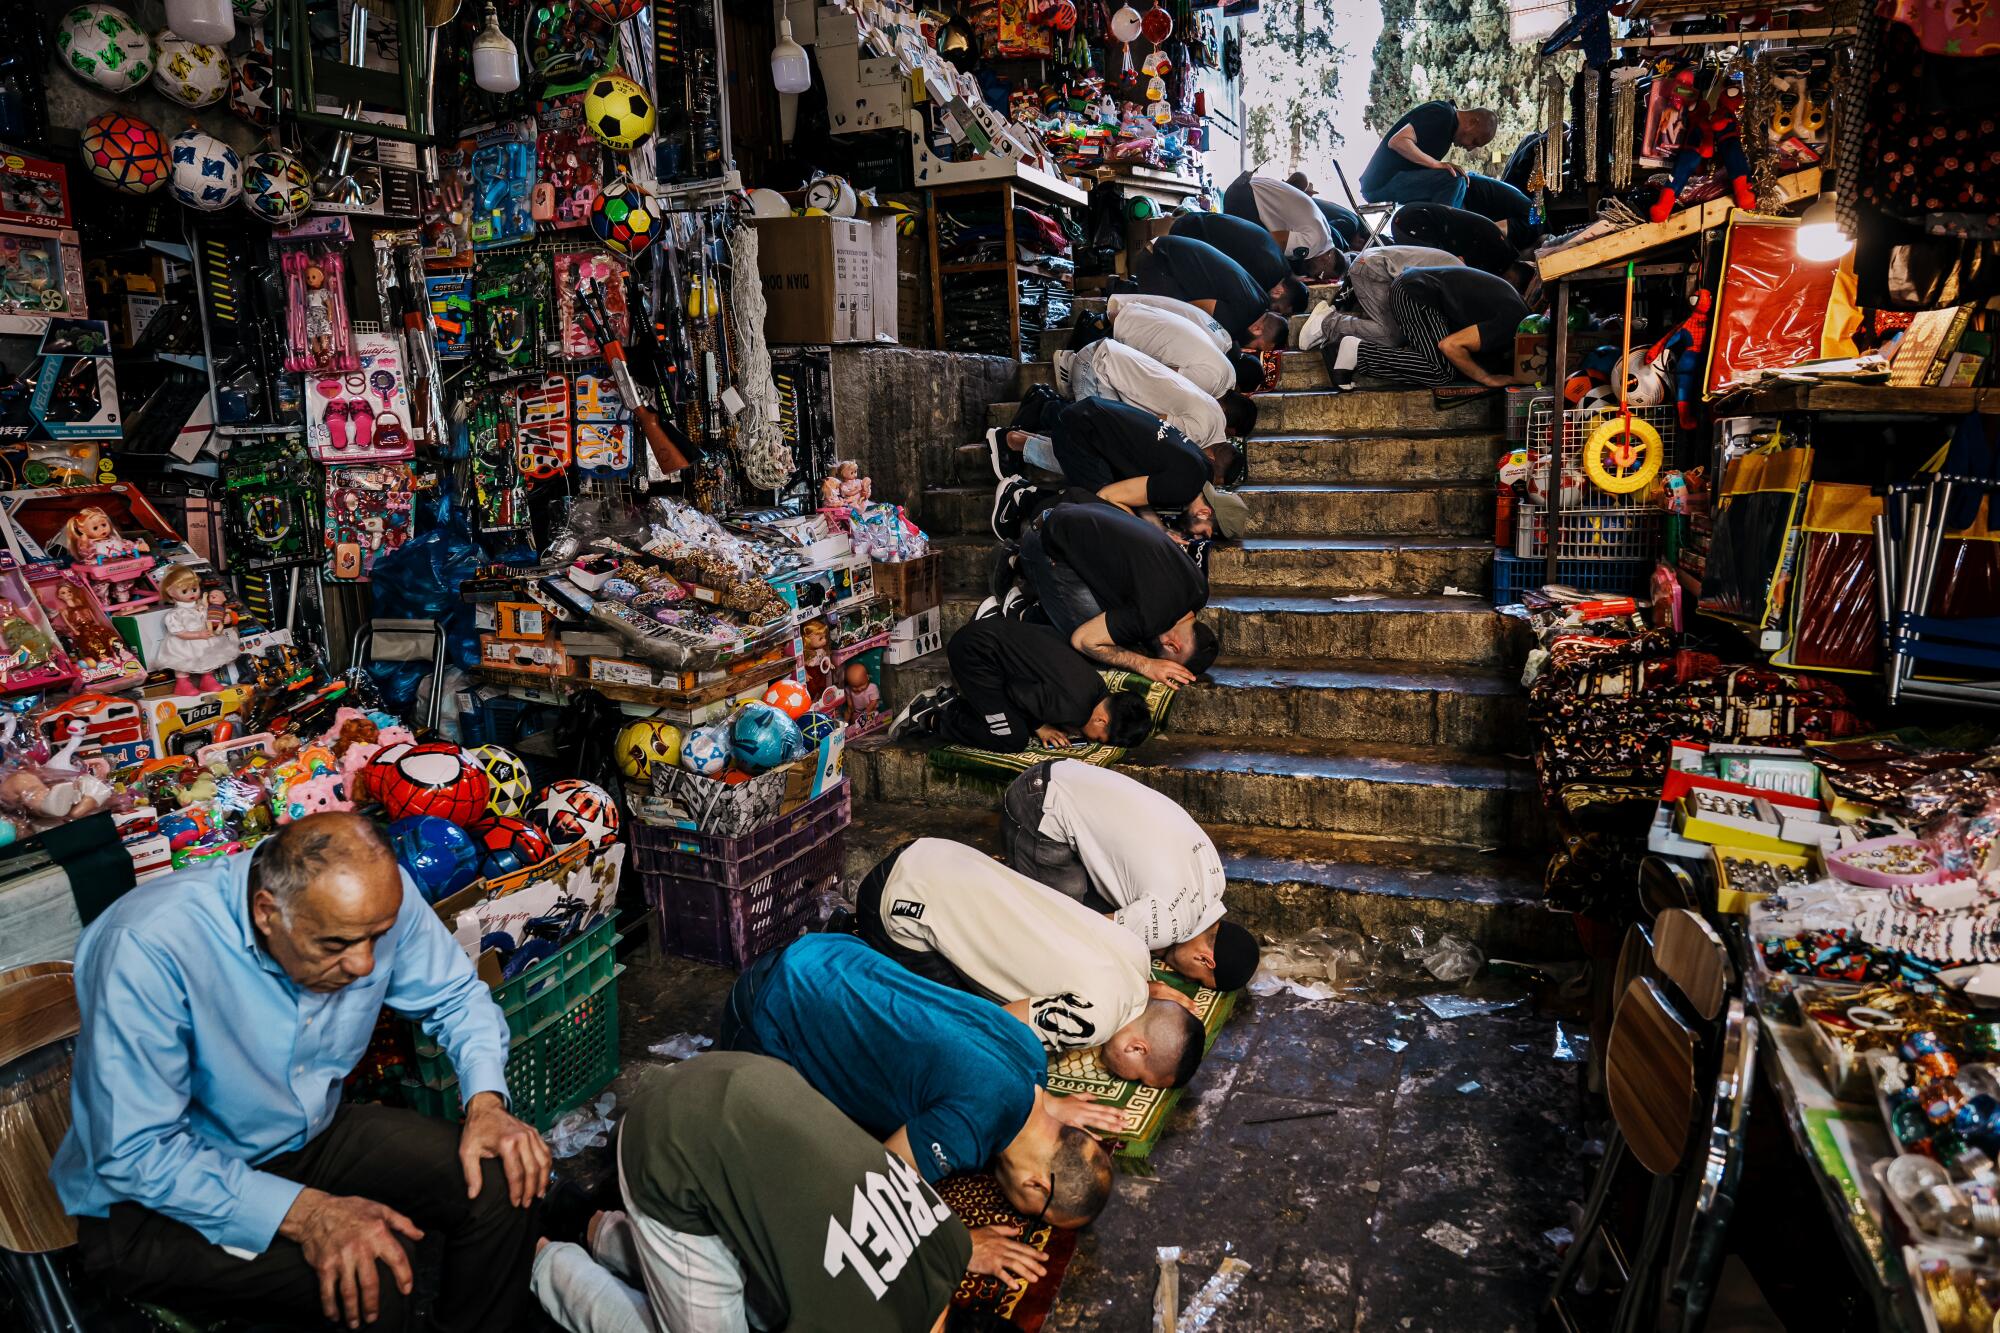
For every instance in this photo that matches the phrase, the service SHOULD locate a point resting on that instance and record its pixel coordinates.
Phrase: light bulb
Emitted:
(790, 70)
(496, 62)
(1820, 239)
(211, 21)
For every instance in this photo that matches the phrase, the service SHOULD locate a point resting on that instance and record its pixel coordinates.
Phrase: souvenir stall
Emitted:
(388, 423)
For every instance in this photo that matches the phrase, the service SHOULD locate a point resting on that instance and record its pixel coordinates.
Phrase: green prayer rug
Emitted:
(1010, 765)
(1082, 1074)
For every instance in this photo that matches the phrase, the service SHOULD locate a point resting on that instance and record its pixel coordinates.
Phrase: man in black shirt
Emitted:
(1475, 239)
(1126, 455)
(1198, 273)
(1408, 167)
(1122, 589)
(1454, 320)
(1255, 249)
(1014, 683)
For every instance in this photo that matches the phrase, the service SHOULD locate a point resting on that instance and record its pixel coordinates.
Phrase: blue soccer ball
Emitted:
(705, 750)
(818, 728)
(763, 737)
(440, 856)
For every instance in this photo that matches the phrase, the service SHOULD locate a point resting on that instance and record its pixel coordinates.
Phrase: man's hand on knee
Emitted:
(491, 1132)
(344, 1238)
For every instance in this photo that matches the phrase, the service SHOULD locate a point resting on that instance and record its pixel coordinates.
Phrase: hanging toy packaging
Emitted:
(319, 334)
(499, 200)
(271, 504)
(568, 159)
(358, 416)
(508, 296)
(584, 271)
(370, 509)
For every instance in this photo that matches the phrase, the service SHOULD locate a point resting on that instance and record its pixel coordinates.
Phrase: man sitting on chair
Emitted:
(1408, 167)
(212, 1165)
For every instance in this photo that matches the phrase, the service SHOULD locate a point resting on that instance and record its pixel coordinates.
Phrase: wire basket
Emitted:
(1593, 524)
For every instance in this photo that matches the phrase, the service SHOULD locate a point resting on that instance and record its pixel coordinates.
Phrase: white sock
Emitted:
(1348, 354)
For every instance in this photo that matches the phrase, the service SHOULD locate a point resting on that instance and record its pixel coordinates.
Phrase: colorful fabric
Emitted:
(977, 1200)
(1931, 136)
(1951, 27)
(1082, 1074)
(1007, 765)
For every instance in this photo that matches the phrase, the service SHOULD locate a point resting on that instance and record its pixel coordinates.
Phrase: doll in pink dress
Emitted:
(108, 557)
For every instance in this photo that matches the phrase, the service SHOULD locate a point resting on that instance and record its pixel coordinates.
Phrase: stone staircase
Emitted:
(1350, 752)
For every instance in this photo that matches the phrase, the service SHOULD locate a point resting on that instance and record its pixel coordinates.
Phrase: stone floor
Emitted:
(1331, 1209)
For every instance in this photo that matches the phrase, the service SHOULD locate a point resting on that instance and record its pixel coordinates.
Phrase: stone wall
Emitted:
(901, 413)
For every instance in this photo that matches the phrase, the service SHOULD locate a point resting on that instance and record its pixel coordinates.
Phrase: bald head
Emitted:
(323, 890)
(1161, 1048)
(1476, 128)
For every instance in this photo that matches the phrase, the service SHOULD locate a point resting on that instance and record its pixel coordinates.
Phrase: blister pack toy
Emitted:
(319, 334)
(568, 159)
(271, 491)
(595, 272)
(31, 658)
(499, 191)
(499, 502)
(102, 659)
(603, 436)
(451, 313)
(508, 296)
(41, 273)
(361, 415)
(542, 443)
(447, 221)
(370, 508)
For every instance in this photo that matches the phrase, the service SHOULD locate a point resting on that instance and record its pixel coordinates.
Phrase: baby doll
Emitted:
(319, 316)
(94, 539)
(190, 646)
(864, 697)
(845, 486)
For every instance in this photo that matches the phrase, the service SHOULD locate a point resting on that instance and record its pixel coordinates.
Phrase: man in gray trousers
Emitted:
(1370, 274)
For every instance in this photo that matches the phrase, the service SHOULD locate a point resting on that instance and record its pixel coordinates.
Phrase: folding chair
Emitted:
(1696, 1255)
(403, 641)
(1374, 216)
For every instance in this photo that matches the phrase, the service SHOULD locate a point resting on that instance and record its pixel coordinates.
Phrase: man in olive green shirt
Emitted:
(755, 1204)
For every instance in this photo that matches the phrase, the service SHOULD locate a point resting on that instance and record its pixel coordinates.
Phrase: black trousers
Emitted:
(982, 716)
(395, 1157)
(1240, 200)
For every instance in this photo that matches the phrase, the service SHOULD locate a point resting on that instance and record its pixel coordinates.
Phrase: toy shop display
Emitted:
(34, 193)
(60, 387)
(124, 152)
(370, 509)
(360, 415)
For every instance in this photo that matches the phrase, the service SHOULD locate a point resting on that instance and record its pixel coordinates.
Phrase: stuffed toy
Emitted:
(1709, 134)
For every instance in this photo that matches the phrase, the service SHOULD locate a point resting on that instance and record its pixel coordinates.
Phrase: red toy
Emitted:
(789, 697)
(573, 810)
(1709, 134)
(431, 779)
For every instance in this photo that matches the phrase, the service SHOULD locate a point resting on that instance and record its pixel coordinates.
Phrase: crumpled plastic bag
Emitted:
(1450, 957)
(588, 1126)
(681, 1046)
(1315, 966)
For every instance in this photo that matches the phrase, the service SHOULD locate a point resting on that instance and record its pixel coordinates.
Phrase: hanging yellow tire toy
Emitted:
(1631, 445)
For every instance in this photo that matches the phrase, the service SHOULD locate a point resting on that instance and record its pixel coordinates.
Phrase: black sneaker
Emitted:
(1010, 500)
(1006, 568)
(1006, 463)
(922, 714)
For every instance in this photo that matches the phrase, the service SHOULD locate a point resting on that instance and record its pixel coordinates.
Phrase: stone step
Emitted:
(1277, 459)
(1300, 370)
(1477, 710)
(1095, 305)
(1372, 410)
(1310, 628)
(1284, 884)
(1291, 564)
(1406, 793)
(1450, 509)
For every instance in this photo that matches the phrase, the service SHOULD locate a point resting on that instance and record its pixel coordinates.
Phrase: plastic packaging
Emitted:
(1167, 1291)
(588, 1126)
(1771, 305)
(1208, 1301)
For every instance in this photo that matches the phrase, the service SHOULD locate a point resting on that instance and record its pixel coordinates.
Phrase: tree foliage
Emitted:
(1456, 50)
(1292, 81)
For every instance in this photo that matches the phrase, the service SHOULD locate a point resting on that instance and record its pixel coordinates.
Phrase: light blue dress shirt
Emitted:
(199, 1057)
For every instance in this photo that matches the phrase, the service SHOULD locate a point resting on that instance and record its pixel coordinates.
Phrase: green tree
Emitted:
(1458, 50)
(1292, 81)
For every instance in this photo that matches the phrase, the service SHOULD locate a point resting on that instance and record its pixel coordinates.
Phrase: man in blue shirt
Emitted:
(211, 1165)
(949, 1081)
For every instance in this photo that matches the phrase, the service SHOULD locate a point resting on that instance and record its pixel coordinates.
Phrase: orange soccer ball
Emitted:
(790, 698)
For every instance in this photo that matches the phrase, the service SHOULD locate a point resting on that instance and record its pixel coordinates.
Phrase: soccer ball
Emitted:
(254, 10)
(192, 73)
(705, 751)
(440, 856)
(788, 697)
(818, 728)
(645, 745)
(276, 187)
(614, 11)
(250, 80)
(125, 153)
(430, 779)
(206, 173)
(506, 844)
(509, 776)
(101, 45)
(625, 218)
(764, 737)
(574, 811)
(618, 111)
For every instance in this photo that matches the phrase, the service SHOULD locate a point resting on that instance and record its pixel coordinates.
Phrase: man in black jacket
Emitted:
(1198, 273)
(1246, 242)
(1015, 683)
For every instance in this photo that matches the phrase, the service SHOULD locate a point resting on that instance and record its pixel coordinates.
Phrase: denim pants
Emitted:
(1065, 598)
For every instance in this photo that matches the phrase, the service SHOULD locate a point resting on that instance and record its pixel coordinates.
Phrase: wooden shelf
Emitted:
(1002, 266)
(1726, 38)
(1861, 399)
(1632, 242)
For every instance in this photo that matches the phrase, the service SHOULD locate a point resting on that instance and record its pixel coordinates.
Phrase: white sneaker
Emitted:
(1312, 334)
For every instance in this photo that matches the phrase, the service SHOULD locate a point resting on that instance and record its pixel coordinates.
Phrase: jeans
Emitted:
(399, 1158)
(1047, 860)
(1066, 599)
(1083, 380)
(1040, 451)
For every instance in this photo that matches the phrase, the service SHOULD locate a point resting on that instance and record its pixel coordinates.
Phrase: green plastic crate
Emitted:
(539, 994)
(556, 1068)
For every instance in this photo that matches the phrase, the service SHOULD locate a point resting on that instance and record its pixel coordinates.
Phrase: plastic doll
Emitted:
(190, 646)
(845, 486)
(319, 316)
(24, 641)
(93, 640)
(864, 696)
(93, 538)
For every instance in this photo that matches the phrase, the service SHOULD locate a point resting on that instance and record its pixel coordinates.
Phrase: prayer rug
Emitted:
(1008, 766)
(1082, 1073)
(977, 1200)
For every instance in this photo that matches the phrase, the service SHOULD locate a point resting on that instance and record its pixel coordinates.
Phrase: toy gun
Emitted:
(597, 323)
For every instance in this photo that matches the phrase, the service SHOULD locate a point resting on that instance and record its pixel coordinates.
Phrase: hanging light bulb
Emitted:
(211, 21)
(790, 70)
(496, 62)
(1820, 239)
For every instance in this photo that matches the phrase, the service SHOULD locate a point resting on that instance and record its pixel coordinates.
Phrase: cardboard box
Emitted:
(520, 656)
(526, 621)
(823, 277)
(34, 193)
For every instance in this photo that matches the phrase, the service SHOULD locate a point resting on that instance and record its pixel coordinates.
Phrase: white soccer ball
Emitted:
(194, 74)
(101, 45)
(276, 187)
(207, 174)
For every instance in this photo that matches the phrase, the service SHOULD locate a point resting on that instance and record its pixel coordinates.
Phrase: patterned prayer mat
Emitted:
(1082, 1073)
(1008, 766)
(977, 1200)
